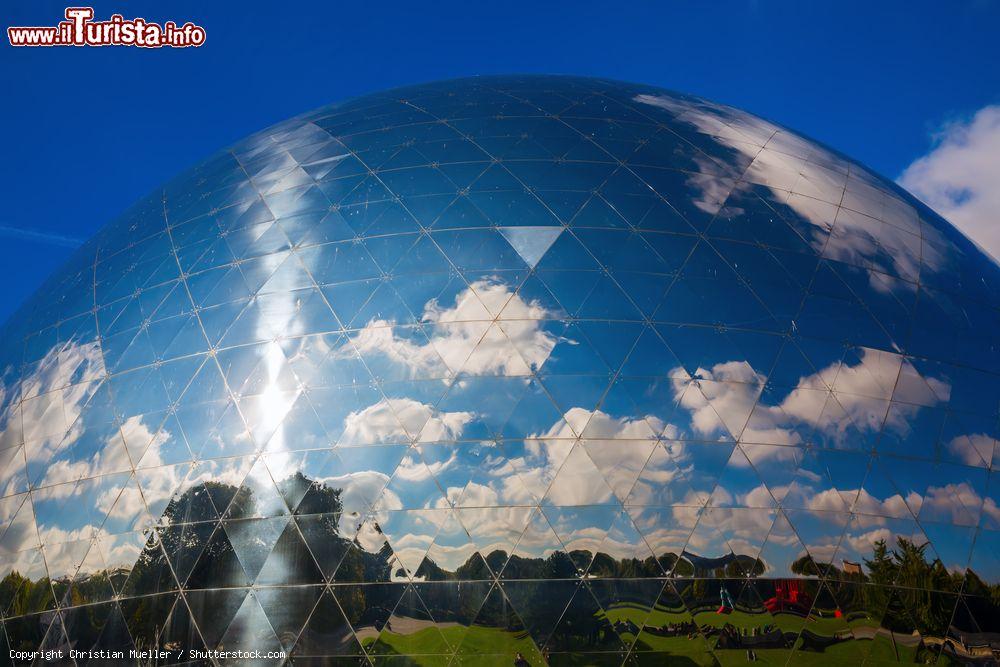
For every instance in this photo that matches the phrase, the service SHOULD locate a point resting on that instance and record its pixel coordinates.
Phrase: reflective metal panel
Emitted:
(510, 370)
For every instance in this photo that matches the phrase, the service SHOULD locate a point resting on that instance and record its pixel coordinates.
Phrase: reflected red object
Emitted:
(788, 594)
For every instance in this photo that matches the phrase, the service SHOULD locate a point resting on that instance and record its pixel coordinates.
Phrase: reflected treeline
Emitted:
(215, 540)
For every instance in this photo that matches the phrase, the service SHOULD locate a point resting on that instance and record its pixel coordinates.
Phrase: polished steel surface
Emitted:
(511, 370)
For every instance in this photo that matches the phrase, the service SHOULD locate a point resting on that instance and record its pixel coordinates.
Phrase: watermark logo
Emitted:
(80, 29)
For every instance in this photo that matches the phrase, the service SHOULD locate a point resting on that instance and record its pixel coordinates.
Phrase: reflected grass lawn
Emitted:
(477, 645)
(695, 650)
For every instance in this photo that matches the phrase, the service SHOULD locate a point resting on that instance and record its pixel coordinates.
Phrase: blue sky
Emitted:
(90, 130)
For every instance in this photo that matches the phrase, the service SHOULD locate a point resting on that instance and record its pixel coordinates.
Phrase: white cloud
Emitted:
(55, 394)
(859, 545)
(495, 528)
(600, 425)
(723, 397)
(811, 181)
(584, 467)
(862, 391)
(464, 337)
(959, 177)
(496, 514)
(473, 495)
(112, 457)
(975, 449)
(38, 236)
(413, 469)
(832, 500)
(361, 488)
(401, 420)
(835, 398)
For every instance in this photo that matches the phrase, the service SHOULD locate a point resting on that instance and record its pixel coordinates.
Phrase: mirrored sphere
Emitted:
(510, 371)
